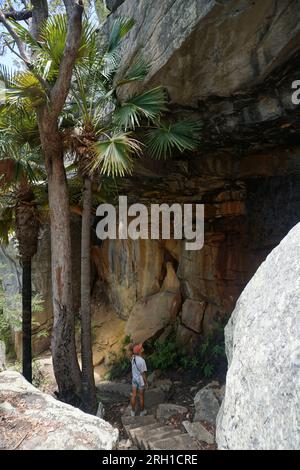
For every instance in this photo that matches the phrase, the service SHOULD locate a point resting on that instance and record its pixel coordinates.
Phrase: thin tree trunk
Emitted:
(26, 319)
(65, 362)
(88, 381)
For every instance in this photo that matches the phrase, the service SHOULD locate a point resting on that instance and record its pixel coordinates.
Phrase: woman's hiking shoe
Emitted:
(143, 413)
(132, 413)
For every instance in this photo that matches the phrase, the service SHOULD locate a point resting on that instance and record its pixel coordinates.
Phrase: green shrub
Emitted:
(207, 370)
(119, 368)
(164, 355)
(218, 350)
(120, 365)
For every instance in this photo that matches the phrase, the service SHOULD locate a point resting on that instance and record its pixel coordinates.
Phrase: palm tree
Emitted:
(101, 136)
(19, 207)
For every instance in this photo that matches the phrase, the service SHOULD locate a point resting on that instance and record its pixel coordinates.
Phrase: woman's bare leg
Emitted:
(142, 399)
(133, 398)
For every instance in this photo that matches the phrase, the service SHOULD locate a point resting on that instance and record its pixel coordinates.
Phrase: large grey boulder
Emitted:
(112, 5)
(261, 409)
(206, 405)
(35, 420)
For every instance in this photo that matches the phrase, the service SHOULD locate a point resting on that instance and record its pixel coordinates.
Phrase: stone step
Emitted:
(147, 433)
(135, 432)
(142, 435)
(181, 442)
(145, 443)
(132, 422)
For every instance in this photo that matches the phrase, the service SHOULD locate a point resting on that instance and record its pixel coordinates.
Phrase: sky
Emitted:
(7, 60)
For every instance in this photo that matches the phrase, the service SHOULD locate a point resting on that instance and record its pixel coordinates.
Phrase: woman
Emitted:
(139, 379)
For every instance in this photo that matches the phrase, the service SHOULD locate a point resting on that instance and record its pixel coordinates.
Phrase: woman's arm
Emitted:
(145, 379)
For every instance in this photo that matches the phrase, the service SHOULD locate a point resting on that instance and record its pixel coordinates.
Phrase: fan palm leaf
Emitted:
(165, 138)
(113, 155)
(120, 28)
(149, 105)
(137, 72)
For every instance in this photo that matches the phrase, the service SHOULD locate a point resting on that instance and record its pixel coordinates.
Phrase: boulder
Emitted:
(192, 314)
(212, 273)
(186, 340)
(108, 332)
(130, 270)
(100, 411)
(261, 408)
(164, 384)
(171, 282)
(154, 396)
(40, 422)
(112, 5)
(152, 314)
(111, 389)
(125, 444)
(198, 431)
(174, 247)
(206, 405)
(167, 410)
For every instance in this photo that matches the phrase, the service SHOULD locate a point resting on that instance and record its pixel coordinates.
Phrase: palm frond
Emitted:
(19, 128)
(6, 75)
(25, 35)
(149, 105)
(113, 156)
(88, 50)
(180, 136)
(120, 28)
(25, 89)
(137, 72)
(53, 34)
(111, 61)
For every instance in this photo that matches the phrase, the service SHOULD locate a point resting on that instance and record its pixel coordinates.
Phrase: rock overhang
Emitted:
(230, 64)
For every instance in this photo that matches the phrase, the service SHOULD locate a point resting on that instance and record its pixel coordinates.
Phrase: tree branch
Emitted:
(16, 38)
(18, 15)
(22, 54)
(62, 85)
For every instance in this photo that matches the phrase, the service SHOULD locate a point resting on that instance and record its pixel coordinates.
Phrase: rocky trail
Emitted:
(179, 416)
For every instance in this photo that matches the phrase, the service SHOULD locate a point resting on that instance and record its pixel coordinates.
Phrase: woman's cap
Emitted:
(137, 348)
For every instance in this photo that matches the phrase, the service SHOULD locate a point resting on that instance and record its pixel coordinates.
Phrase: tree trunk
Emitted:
(26, 319)
(27, 231)
(88, 381)
(65, 362)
